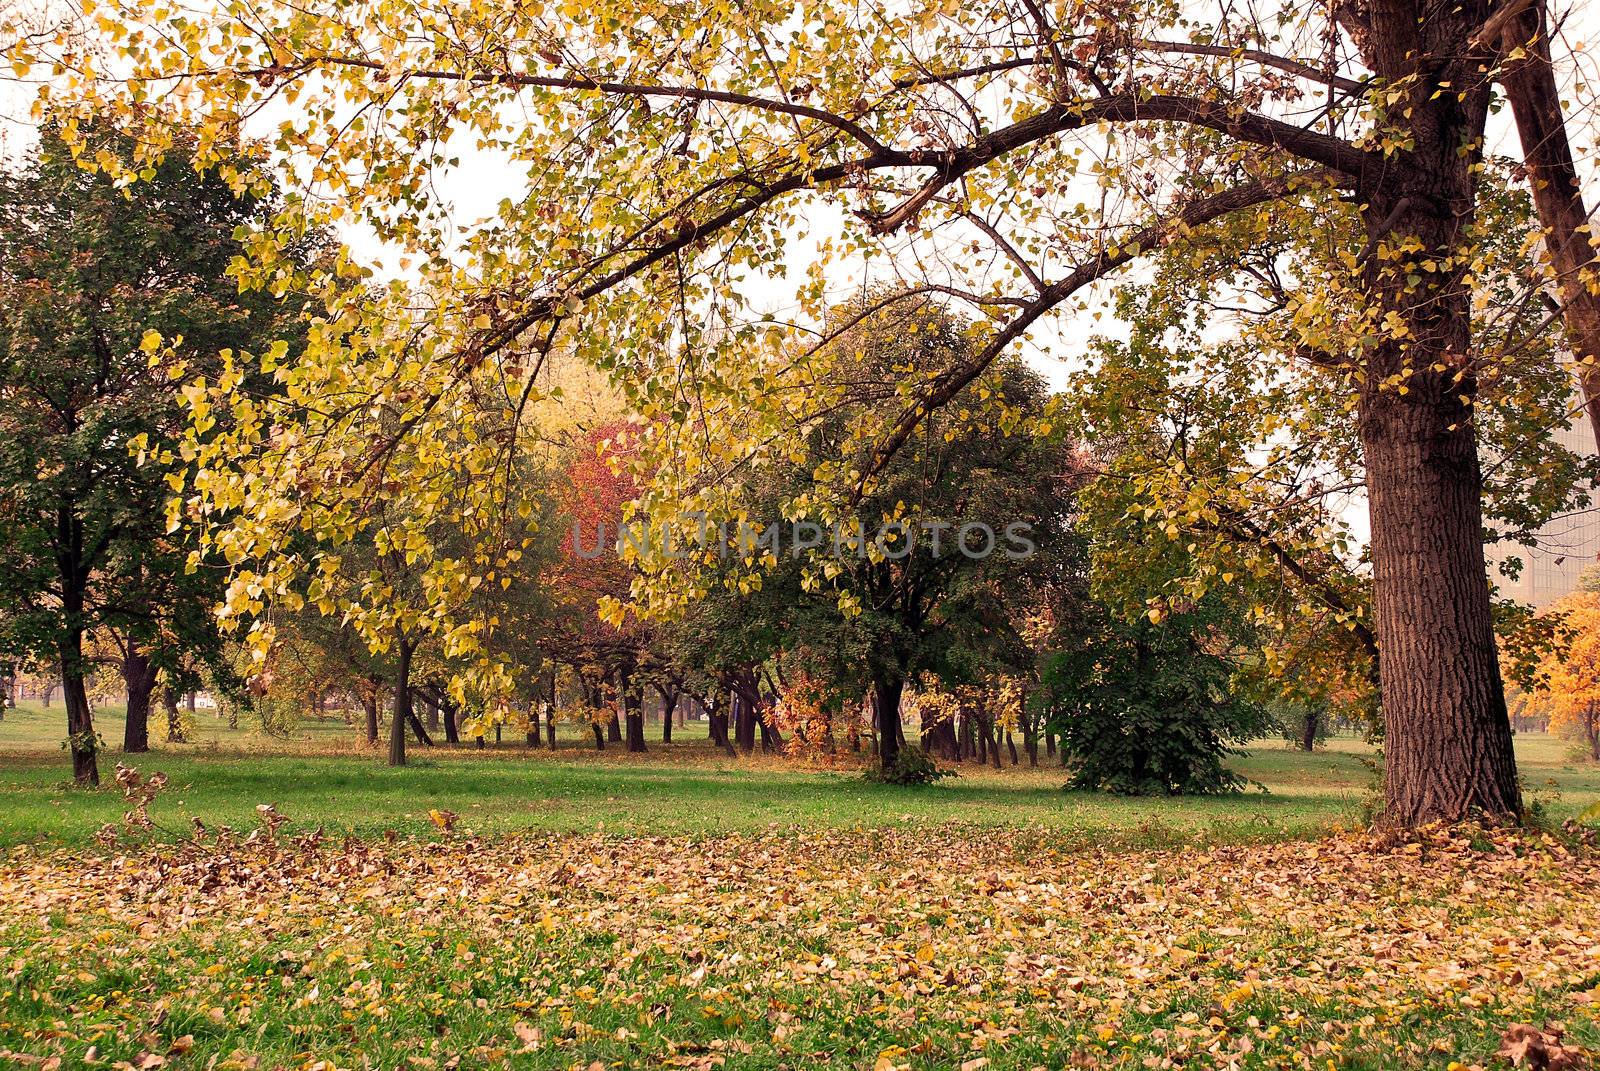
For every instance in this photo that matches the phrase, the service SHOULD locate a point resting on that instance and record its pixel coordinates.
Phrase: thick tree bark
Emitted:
(1447, 735)
(139, 680)
(744, 722)
(886, 696)
(614, 729)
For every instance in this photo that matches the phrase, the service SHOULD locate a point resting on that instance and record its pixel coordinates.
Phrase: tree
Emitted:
(909, 577)
(1146, 709)
(1569, 685)
(91, 275)
(701, 137)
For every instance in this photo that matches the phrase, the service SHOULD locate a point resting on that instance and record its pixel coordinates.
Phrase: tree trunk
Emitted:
(886, 696)
(452, 727)
(1530, 85)
(1308, 729)
(634, 705)
(771, 738)
(139, 677)
(599, 736)
(176, 731)
(402, 703)
(369, 705)
(80, 720)
(614, 729)
(669, 706)
(430, 708)
(1447, 738)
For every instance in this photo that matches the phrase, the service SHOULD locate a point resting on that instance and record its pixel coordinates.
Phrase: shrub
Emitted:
(912, 766)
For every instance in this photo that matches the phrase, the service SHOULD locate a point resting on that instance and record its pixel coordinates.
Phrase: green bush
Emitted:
(912, 766)
(1147, 710)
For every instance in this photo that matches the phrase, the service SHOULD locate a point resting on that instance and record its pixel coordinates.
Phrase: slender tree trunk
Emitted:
(139, 680)
(614, 729)
(452, 724)
(669, 706)
(80, 720)
(550, 713)
(599, 736)
(369, 705)
(886, 695)
(402, 703)
(633, 711)
(430, 708)
(176, 730)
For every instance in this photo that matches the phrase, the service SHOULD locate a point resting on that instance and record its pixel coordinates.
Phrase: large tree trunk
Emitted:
(139, 679)
(402, 703)
(1447, 735)
(1308, 729)
(1530, 84)
(1447, 739)
(886, 710)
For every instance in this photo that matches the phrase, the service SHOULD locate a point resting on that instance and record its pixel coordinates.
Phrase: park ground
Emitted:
(685, 909)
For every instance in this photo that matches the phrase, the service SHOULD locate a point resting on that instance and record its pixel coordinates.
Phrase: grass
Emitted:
(687, 909)
(321, 777)
(887, 950)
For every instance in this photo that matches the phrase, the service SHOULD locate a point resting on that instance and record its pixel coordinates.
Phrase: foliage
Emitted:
(90, 274)
(912, 766)
(1569, 682)
(1150, 710)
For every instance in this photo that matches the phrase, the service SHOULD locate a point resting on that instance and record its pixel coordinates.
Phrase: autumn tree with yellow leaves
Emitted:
(1569, 679)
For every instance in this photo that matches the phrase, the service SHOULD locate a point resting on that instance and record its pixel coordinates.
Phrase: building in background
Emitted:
(1566, 546)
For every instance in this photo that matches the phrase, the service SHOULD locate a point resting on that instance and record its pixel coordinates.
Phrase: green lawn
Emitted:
(322, 777)
(686, 909)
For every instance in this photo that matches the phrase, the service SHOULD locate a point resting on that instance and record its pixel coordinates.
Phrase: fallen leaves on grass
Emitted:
(1540, 1050)
(946, 947)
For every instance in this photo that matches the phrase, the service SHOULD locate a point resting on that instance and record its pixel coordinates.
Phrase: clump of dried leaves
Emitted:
(954, 947)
